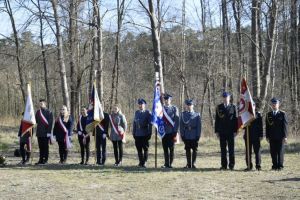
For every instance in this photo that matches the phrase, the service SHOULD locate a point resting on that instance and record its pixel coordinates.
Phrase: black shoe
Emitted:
(194, 166)
(247, 169)
(38, 163)
(274, 168)
(187, 166)
(165, 166)
(231, 168)
(258, 168)
(170, 167)
(81, 163)
(223, 168)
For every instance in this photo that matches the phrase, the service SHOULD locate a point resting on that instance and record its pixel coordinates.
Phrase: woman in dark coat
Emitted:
(62, 133)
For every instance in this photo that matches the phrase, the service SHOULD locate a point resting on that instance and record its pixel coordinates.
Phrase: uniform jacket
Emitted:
(173, 113)
(142, 123)
(276, 126)
(83, 125)
(42, 129)
(226, 120)
(58, 131)
(255, 128)
(121, 123)
(190, 126)
(24, 138)
(105, 125)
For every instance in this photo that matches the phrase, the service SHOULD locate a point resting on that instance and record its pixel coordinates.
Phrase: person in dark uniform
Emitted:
(226, 130)
(83, 136)
(25, 145)
(117, 136)
(62, 133)
(190, 131)
(170, 130)
(101, 135)
(141, 132)
(276, 133)
(44, 120)
(255, 136)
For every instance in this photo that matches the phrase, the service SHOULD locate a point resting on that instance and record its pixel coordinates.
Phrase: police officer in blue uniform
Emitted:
(190, 130)
(142, 130)
(101, 137)
(255, 136)
(276, 133)
(226, 130)
(170, 131)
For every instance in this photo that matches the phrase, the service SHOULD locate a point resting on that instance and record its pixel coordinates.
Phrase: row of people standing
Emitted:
(188, 124)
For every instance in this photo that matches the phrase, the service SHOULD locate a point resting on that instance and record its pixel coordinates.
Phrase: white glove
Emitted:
(104, 136)
(48, 135)
(54, 138)
(79, 133)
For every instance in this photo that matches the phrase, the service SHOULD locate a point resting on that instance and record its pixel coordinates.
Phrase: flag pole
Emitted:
(248, 148)
(95, 132)
(156, 79)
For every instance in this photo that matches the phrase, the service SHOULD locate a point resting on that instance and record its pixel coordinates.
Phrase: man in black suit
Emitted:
(44, 120)
(101, 135)
(276, 133)
(226, 129)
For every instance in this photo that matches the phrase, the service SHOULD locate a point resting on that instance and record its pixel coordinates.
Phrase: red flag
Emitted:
(246, 110)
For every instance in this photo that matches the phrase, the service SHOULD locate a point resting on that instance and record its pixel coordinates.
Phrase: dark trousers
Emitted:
(142, 144)
(168, 147)
(277, 152)
(25, 152)
(227, 141)
(63, 151)
(118, 150)
(44, 149)
(255, 145)
(191, 148)
(84, 148)
(101, 149)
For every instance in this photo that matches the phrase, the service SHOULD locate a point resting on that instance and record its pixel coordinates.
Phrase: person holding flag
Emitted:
(226, 130)
(254, 139)
(276, 133)
(252, 124)
(101, 135)
(118, 125)
(171, 126)
(44, 119)
(83, 136)
(25, 131)
(142, 130)
(94, 115)
(62, 133)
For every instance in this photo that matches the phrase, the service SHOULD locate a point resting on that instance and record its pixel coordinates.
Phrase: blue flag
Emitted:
(157, 112)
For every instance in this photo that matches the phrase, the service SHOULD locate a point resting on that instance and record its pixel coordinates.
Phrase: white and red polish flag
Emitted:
(246, 110)
(28, 120)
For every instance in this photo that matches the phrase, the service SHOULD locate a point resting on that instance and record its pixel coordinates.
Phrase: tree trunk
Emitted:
(60, 56)
(16, 41)
(255, 69)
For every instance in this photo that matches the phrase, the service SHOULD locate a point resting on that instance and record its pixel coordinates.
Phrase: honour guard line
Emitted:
(168, 124)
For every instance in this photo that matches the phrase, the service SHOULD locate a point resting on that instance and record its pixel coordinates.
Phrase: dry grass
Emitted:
(128, 182)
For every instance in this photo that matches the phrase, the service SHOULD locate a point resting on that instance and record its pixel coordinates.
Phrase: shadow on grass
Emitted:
(295, 179)
(107, 168)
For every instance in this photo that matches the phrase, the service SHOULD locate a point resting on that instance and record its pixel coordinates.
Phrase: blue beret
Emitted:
(226, 94)
(167, 96)
(141, 101)
(189, 102)
(275, 100)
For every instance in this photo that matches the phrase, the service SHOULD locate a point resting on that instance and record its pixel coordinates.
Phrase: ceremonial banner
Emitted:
(95, 111)
(158, 111)
(28, 120)
(246, 110)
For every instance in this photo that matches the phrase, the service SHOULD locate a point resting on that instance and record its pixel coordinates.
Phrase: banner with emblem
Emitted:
(158, 111)
(95, 111)
(246, 110)
(28, 120)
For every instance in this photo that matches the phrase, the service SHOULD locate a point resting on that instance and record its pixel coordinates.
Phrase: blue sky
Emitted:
(135, 13)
